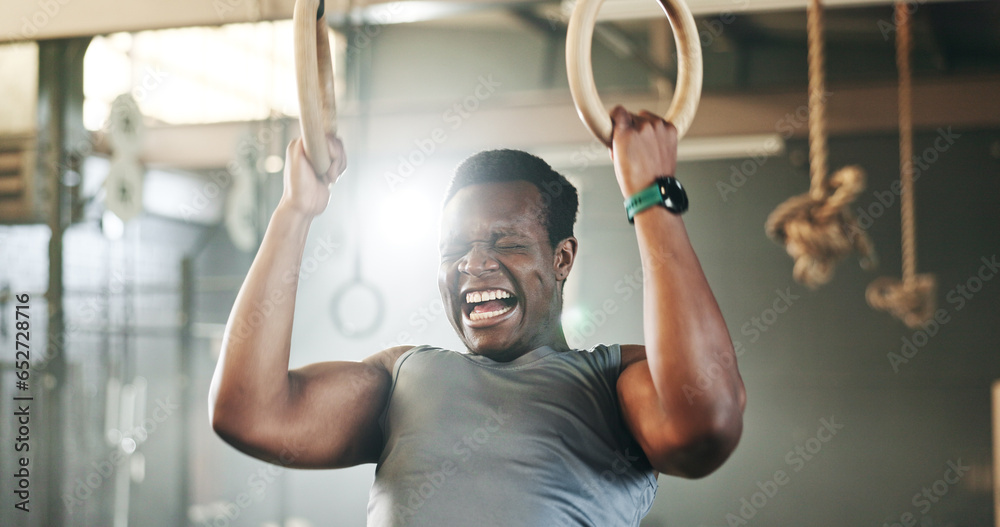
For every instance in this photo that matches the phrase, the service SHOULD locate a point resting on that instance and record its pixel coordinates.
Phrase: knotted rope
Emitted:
(911, 300)
(817, 228)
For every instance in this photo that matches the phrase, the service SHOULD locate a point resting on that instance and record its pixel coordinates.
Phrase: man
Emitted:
(520, 430)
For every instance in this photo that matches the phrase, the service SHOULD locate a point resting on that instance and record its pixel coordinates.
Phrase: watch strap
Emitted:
(642, 200)
(666, 191)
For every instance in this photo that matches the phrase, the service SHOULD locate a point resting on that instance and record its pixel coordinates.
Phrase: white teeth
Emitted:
(484, 296)
(491, 314)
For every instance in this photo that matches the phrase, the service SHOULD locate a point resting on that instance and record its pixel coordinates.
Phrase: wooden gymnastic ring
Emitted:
(314, 77)
(580, 72)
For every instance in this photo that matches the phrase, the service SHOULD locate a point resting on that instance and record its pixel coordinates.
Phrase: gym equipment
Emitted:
(241, 202)
(123, 185)
(912, 299)
(124, 418)
(314, 78)
(996, 451)
(817, 228)
(580, 72)
(341, 300)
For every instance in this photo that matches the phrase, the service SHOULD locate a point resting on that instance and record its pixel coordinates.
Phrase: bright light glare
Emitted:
(112, 226)
(273, 164)
(410, 11)
(406, 217)
(235, 72)
(572, 318)
(19, 86)
(128, 445)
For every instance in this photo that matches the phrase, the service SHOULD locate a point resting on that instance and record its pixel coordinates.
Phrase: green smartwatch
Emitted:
(666, 191)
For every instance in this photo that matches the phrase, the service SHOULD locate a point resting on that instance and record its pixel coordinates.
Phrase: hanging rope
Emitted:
(817, 228)
(911, 300)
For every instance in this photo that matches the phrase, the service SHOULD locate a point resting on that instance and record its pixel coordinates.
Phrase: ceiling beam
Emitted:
(47, 19)
(539, 122)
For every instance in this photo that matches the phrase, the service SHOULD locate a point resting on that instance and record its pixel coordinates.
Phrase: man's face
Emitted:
(500, 279)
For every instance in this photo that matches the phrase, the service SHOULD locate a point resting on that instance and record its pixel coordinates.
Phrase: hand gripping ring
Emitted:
(581, 74)
(313, 65)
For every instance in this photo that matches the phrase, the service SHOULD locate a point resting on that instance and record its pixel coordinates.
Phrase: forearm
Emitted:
(251, 376)
(686, 338)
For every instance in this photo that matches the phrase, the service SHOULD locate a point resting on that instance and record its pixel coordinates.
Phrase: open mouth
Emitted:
(488, 303)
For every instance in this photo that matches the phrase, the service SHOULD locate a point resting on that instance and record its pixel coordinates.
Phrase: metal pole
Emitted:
(186, 376)
(60, 126)
(996, 453)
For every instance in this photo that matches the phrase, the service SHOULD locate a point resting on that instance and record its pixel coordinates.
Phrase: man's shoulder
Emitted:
(632, 353)
(386, 359)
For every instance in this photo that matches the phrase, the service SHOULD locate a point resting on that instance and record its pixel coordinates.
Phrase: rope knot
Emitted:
(819, 230)
(912, 302)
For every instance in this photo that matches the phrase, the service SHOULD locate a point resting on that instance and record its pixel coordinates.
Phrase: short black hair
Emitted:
(560, 201)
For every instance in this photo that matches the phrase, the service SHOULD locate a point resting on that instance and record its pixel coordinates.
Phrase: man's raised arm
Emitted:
(685, 426)
(323, 415)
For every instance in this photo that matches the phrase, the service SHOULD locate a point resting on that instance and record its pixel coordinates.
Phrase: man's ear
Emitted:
(565, 255)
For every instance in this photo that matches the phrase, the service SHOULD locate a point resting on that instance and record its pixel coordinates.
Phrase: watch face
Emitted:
(674, 196)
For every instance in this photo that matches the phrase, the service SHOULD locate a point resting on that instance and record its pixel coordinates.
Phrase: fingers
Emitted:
(293, 154)
(627, 124)
(338, 158)
(662, 126)
(645, 121)
(651, 117)
(643, 145)
(621, 117)
(293, 145)
(297, 162)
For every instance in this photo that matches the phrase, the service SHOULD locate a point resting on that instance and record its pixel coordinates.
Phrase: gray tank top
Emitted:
(538, 441)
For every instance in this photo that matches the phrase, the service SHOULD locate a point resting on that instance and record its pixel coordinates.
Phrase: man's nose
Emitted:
(478, 261)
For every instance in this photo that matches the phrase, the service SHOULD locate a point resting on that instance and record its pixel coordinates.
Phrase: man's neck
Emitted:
(556, 342)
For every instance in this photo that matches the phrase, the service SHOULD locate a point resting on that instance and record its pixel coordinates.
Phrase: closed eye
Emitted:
(509, 243)
(452, 251)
